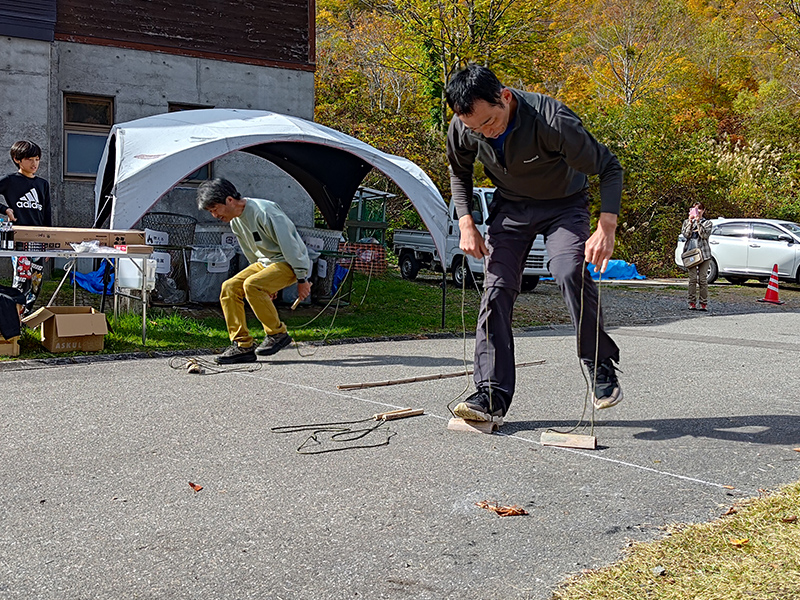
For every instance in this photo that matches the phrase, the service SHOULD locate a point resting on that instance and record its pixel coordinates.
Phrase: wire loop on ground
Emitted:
(204, 366)
(339, 433)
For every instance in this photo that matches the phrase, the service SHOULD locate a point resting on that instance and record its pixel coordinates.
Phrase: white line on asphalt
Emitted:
(621, 462)
(510, 436)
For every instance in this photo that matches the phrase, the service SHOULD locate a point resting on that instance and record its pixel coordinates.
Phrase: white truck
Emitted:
(416, 250)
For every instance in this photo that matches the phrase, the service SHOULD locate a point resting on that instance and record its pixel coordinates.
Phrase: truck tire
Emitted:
(409, 266)
(460, 270)
(529, 283)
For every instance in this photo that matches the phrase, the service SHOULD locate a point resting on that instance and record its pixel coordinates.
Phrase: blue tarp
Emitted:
(338, 277)
(617, 269)
(93, 282)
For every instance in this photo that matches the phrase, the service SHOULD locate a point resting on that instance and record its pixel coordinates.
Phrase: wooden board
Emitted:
(457, 424)
(569, 440)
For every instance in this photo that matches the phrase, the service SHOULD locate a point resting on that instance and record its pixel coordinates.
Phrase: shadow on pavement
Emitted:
(776, 430)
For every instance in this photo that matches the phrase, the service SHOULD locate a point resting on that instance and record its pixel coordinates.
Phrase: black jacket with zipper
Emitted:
(548, 155)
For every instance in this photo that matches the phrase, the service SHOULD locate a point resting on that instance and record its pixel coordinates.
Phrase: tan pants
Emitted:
(256, 283)
(699, 272)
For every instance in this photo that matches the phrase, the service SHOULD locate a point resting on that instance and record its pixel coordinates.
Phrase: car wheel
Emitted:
(736, 280)
(713, 271)
(797, 277)
(409, 266)
(530, 283)
(460, 270)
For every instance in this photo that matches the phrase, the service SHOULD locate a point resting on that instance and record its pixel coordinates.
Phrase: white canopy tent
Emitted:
(145, 158)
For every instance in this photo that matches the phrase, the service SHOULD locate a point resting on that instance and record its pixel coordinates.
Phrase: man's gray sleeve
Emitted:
(461, 164)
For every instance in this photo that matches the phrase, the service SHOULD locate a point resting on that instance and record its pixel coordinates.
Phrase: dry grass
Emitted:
(752, 554)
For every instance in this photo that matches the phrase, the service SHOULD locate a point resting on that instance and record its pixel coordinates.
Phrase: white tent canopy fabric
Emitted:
(145, 158)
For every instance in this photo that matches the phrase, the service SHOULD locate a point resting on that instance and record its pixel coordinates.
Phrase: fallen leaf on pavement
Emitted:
(503, 511)
(195, 487)
(731, 511)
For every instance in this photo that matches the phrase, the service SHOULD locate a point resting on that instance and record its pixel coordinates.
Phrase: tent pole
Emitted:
(444, 293)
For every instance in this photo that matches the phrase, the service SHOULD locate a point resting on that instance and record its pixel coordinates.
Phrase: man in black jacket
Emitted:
(538, 155)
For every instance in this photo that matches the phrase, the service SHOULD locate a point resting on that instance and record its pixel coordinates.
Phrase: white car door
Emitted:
(728, 243)
(765, 251)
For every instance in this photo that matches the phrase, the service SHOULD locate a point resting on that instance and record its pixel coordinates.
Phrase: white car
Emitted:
(743, 249)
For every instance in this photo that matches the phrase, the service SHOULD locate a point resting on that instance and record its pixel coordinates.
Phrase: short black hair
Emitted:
(24, 149)
(471, 84)
(215, 191)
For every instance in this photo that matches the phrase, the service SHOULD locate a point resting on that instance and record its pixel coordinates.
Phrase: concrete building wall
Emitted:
(24, 99)
(24, 105)
(145, 83)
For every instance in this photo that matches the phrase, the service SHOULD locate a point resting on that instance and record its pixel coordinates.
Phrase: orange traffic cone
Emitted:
(772, 288)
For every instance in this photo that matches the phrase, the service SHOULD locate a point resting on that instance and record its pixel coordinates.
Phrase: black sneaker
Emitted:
(478, 408)
(273, 343)
(607, 391)
(236, 354)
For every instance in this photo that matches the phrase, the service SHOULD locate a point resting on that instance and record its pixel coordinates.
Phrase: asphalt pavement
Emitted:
(97, 458)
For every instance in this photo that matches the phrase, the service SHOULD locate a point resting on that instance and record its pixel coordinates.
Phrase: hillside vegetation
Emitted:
(700, 100)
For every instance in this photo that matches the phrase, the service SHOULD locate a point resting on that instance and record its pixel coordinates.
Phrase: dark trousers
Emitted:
(513, 227)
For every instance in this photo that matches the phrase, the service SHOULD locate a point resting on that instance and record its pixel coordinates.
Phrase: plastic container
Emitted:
(209, 267)
(131, 271)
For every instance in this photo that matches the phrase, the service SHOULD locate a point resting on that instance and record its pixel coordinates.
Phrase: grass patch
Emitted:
(753, 554)
(381, 306)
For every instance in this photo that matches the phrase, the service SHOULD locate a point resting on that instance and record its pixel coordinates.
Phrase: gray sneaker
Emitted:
(236, 354)
(273, 343)
(478, 407)
(606, 391)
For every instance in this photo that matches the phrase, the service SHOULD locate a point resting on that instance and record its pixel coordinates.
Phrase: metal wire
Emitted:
(590, 387)
(464, 329)
(203, 366)
(339, 433)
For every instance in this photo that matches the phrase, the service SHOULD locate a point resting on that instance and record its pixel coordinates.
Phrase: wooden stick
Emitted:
(370, 384)
(400, 413)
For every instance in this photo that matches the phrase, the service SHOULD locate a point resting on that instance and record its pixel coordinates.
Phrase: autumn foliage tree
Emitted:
(699, 99)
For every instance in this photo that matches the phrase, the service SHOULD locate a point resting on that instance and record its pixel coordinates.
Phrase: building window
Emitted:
(203, 172)
(87, 122)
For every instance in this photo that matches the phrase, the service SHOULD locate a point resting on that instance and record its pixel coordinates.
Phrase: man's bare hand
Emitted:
(471, 239)
(10, 214)
(600, 245)
(303, 290)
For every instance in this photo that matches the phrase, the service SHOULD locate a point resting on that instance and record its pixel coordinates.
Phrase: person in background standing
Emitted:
(698, 225)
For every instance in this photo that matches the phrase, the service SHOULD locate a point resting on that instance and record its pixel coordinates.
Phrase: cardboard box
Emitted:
(60, 238)
(70, 328)
(9, 347)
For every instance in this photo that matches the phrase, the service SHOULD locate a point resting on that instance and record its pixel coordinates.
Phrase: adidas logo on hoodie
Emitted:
(30, 200)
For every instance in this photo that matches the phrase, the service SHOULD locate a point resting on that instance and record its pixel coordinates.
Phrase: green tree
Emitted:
(442, 36)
